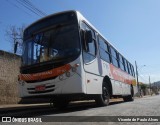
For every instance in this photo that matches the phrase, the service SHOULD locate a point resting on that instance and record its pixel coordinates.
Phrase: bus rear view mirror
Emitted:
(15, 47)
(88, 36)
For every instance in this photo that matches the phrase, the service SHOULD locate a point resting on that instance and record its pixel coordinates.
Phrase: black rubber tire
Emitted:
(129, 97)
(61, 104)
(103, 99)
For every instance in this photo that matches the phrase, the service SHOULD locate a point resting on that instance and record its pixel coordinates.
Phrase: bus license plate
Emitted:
(40, 88)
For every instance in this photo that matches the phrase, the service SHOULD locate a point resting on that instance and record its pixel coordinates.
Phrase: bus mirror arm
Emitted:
(15, 47)
(85, 45)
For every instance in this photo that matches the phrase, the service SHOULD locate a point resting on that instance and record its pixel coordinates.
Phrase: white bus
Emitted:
(65, 58)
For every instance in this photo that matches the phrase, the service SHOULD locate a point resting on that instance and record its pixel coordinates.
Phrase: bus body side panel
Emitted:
(106, 71)
(125, 89)
(93, 84)
(75, 83)
(121, 80)
(93, 79)
(117, 77)
(120, 85)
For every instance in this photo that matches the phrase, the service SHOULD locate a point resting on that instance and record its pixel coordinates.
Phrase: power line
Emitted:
(27, 4)
(18, 7)
(27, 7)
(35, 8)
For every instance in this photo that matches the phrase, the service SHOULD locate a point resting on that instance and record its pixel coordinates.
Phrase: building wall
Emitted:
(9, 70)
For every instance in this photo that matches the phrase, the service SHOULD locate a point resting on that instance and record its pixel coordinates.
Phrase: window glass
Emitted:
(104, 50)
(126, 66)
(129, 68)
(133, 70)
(121, 66)
(88, 57)
(104, 55)
(120, 58)
(114, 57)
(121, 62)
(103, 44)
(91, 53)
(92, 48)
(113, 52)
(114, 61)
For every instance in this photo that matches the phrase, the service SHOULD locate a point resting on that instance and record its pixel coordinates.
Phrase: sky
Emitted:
(132, 26)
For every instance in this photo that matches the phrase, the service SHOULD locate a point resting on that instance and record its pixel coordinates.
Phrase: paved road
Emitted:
(147, 106)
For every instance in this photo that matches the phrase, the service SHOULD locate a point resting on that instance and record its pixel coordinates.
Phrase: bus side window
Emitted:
(129, 67)
(104, 49)
(90, 54)
(126, 67)
(124, 63)
(114, 57)
(133, 71)
(121, 62)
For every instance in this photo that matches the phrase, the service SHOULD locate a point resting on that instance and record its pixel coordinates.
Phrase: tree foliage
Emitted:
(143, 86)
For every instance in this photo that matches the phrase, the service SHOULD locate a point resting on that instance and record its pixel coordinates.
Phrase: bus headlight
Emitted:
(68, 74)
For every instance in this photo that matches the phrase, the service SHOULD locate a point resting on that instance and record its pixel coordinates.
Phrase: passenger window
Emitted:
(129, 67)
(133, 71)
(114, 57)
(104, 50)
(92, 48)
(126, 66)
(124, 63)
(121, 62)
(91, 53)
(103, 44)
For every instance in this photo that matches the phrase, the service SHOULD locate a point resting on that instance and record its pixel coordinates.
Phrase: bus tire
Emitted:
(103, 99)
(129, 97)
(61, 104)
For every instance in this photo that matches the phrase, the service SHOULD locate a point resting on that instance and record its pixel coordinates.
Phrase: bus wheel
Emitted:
(103, 99)
(61, 104)
(129, 97)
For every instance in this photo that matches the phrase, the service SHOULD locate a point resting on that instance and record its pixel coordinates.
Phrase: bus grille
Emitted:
(50, 88)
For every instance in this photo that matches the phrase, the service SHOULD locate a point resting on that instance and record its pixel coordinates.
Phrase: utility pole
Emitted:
(137, 78)
(150, 85)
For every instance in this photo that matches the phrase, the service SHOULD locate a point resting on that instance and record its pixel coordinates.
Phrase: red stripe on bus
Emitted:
(121, 76)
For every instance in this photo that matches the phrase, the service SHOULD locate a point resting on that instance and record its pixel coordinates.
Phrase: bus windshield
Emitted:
(59, 42)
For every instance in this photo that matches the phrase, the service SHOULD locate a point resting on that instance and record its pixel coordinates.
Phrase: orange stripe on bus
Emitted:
(121, 76)
(45, 75)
